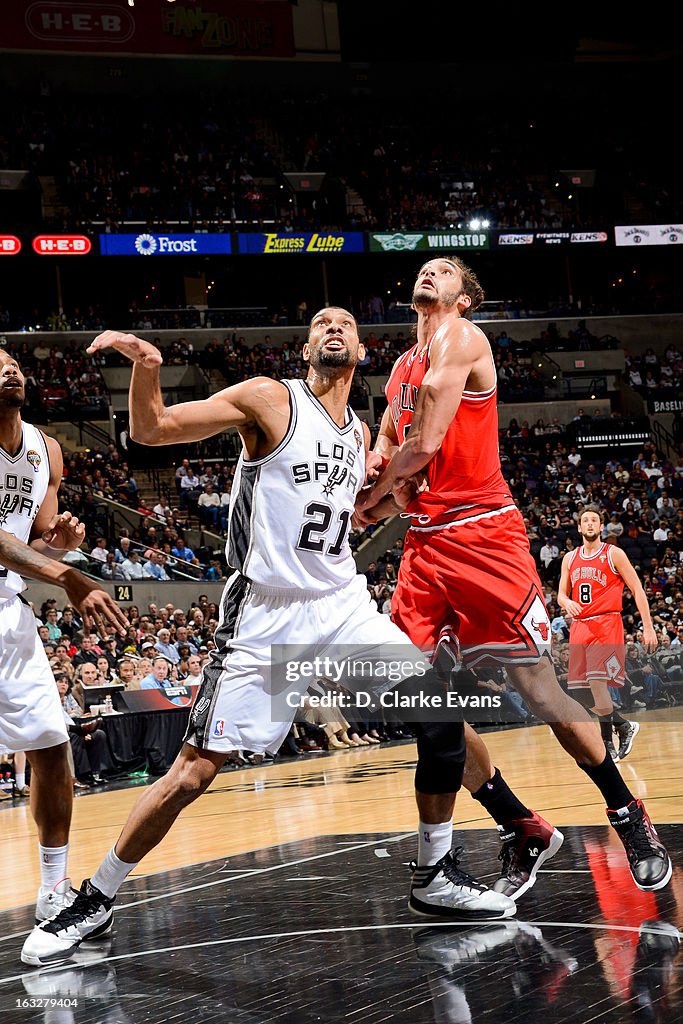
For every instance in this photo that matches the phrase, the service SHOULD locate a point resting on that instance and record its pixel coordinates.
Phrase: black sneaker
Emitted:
(626, 733)
(443, 890)
(653, 971)
(527, 843)
(647, 857)
(54, 941)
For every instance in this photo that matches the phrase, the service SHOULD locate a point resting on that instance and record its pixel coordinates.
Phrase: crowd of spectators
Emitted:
(214, 170)
(62, 381)
(212, 161)
(650, 372)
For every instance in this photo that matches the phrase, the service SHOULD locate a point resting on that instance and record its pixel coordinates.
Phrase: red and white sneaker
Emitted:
(527, 843)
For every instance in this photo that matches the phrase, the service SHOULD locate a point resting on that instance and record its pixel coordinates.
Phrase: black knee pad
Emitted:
(440, 756)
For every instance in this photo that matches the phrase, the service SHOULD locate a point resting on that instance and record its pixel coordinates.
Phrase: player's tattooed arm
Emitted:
(94, 604)
(25, 560)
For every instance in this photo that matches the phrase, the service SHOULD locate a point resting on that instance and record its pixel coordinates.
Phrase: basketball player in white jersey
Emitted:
(32, 534)
(295, 582)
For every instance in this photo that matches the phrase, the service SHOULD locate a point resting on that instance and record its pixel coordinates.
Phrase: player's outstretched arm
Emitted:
(246, 406)
(622, 564)
(94, 604)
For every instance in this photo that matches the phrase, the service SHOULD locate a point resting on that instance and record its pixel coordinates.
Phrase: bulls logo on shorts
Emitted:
(543, 628)
(535, 622)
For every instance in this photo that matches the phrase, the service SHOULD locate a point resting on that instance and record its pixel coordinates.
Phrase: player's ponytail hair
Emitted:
(470, 284)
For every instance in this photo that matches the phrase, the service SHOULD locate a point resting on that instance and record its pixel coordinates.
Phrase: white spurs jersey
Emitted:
(23, 484)
(290, 512)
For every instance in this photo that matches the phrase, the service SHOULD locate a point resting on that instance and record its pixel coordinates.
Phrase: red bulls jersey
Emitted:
(465, 479)
(594, 583)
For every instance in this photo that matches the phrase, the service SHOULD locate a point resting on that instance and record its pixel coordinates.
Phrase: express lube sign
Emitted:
(295, 243)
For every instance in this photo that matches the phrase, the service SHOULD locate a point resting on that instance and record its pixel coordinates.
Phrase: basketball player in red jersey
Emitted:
(590, 592)
(467, 570)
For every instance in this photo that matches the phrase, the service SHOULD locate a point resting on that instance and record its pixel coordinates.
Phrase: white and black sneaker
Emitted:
(443, 890)
(451, 948)
(626, 734)
(51, 942)
(50, 902)
(83, 976)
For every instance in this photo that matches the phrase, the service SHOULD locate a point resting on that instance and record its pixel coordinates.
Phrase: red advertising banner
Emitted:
(61, 245)
(9, 245)
(198, 28)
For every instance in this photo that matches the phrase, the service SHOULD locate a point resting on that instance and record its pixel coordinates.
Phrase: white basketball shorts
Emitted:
(233, 709)
(31, 715)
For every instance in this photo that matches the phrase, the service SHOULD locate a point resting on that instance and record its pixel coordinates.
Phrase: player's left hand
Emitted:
(374, 464)
(650, 640)
(64, 532)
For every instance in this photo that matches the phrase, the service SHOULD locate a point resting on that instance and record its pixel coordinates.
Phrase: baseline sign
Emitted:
(148, 244)
(649, 234)
(323, 242)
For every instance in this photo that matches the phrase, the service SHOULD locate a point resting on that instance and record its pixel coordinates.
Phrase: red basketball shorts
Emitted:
(479, 580)
(596, 651)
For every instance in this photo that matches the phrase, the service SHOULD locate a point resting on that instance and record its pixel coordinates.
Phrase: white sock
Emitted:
(111, 874)
(52, 865)
(20, 779)
(433, 842)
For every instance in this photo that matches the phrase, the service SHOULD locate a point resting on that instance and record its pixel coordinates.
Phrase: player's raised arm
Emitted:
(246, 406)
(452, 356)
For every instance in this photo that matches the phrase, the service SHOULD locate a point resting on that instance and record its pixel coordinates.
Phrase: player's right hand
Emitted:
(135, 349)
(95, 605)
(407, 493)
(572, 608)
